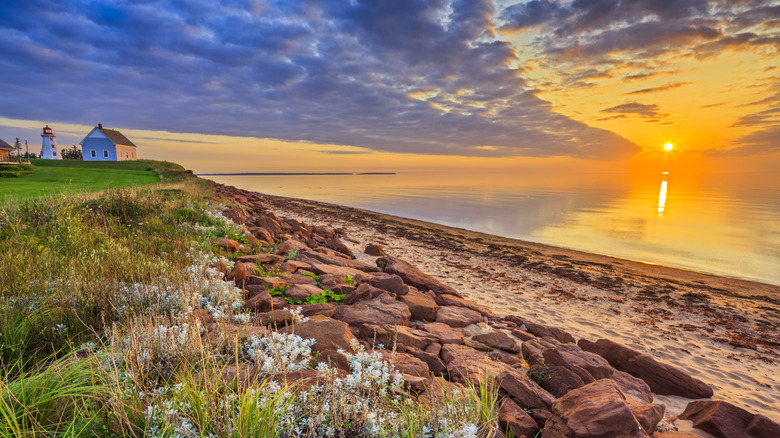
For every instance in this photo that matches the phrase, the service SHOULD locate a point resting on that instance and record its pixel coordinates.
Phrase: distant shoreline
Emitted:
(295, 174)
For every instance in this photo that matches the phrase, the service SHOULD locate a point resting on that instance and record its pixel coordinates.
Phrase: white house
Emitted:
(102, 144)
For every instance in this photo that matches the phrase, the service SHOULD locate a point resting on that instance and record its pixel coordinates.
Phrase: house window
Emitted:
(93, 153)
(105, 154)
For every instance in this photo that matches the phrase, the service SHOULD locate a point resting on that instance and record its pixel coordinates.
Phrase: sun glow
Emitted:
(668, 147)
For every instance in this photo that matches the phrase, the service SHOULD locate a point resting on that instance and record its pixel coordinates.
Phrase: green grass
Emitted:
(50, 178)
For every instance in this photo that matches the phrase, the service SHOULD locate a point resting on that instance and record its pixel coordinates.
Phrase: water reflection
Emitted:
(722, 223)
(662, 197)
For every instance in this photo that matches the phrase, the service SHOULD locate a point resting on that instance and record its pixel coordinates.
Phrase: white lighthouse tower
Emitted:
(49, 146)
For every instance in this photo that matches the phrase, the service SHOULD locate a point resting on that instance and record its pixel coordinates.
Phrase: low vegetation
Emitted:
(100, 333)
(46, 178)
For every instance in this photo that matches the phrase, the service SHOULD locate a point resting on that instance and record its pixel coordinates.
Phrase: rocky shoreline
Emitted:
(435, 332)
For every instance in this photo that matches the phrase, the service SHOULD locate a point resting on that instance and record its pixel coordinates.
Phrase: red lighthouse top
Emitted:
(47, 130)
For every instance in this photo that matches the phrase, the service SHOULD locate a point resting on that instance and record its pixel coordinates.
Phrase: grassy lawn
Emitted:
(50, 177)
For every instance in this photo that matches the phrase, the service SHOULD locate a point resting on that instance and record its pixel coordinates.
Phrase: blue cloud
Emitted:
(406, 76)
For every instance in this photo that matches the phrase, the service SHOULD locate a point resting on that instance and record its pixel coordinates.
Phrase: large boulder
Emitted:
(382, 310)
(588, 366)
(413, 276)
(328, 333)
(662, 378)
(600, 410)
(725, 420)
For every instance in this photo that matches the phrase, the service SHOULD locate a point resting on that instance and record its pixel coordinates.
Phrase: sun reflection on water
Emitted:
(662, 197)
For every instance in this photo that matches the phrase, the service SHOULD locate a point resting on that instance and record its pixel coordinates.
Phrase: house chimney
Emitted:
(100, 126)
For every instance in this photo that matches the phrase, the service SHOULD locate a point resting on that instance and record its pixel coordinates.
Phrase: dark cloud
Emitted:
(666, 87)
(762, 141)
(636, 109)
(336, 72)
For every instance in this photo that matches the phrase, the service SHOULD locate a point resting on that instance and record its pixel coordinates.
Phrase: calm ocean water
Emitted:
(721, 223)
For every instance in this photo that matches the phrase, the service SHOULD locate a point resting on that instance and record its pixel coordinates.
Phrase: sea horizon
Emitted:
(721, 223)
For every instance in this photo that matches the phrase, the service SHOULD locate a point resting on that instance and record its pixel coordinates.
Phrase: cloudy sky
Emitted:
(396, 81)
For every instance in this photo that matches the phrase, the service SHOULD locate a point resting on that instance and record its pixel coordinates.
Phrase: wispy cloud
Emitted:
(652, 90)
(636, 109)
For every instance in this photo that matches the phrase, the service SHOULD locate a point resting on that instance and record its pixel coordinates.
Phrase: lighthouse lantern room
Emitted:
(49, 146)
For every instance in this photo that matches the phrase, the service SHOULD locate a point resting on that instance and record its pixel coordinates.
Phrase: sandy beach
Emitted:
(721, 330)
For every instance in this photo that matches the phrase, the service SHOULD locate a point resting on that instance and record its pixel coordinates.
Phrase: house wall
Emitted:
(101, 147)
(4, 155)
(125, 153)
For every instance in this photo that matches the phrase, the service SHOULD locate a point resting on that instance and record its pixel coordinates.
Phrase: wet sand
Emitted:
(721, 330)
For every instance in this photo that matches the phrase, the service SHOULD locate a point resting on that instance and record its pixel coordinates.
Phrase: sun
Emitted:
(668, 147)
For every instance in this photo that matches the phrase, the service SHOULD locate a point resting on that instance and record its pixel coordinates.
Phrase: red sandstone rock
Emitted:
(387, 335)
(362, 293)
(513, 417)
(498, 339)
(328, 333)
(525, 392)
(391, 283)
(269, 223)
(457, 316)
(259, 258)
(238, 274)
(325, 309)
(319, 257)
(337, 245)
(413, 276)
(452, 300)
(374, 250)
(630, 385)
(555, 379)
(422, 307)
(334, 359)
(725, 420)
(228, 245)
(406, 363)
(260, 302)
(662, 378)
(382, 310)
(262, 234)
(435, 364)
(571, 356)
(599, 409)
(302, 292)
(275, 318)
(445, 333)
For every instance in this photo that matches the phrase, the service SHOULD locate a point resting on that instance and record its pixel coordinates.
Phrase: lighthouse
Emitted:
(49, 146)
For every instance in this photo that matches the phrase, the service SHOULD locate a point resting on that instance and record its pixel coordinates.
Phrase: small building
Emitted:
(5, 152)
(49, 145)
(103, 144)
